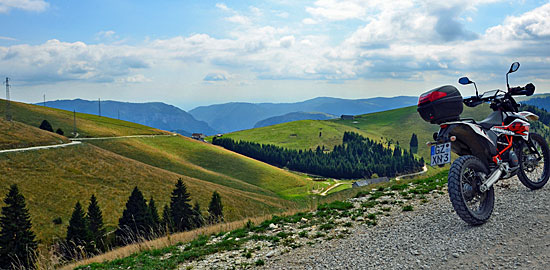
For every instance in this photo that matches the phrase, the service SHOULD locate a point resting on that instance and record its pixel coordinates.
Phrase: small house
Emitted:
(347, 117)
(198, 136)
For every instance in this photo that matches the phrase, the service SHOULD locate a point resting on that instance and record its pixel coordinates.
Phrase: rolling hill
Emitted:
(18, 135)
(235, 116)
(396, 125)
(293, 116)
(54, 180)
(154, 114)
(87, 125)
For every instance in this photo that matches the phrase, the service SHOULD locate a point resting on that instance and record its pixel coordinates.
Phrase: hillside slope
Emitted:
(52, 181)
(293, 116)
(154, 114)
(396, 125)
(17, 135)
(87, 125)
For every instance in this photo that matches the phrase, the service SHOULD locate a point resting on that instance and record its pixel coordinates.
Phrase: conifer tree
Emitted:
(136, 219)
(96, 227)
(166, 223)
(197, 216)
(78, 235)
(215, 208)
(180, 209)
(155, 219)
(59, 131)
(414, 143)
(17, 241)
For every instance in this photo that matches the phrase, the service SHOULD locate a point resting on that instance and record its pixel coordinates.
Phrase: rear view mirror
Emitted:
(514, 67)
(464, 81)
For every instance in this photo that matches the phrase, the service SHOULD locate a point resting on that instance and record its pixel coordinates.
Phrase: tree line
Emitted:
(86, 233)
(357, 157)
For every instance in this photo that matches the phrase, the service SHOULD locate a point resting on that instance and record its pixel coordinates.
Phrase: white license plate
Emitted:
(441, 154)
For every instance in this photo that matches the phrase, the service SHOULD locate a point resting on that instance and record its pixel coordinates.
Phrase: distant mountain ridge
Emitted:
(293, 116)
(154, 114)
(229, 117)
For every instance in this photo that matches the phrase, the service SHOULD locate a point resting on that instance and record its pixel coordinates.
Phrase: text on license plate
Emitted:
(441, 154)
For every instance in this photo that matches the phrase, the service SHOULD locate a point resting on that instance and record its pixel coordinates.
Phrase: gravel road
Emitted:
(434, 237)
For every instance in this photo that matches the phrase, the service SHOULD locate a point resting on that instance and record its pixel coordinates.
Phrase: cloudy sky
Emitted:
(199, 52)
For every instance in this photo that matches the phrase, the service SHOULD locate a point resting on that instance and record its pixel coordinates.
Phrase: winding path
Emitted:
(40, 147)
(76, 141)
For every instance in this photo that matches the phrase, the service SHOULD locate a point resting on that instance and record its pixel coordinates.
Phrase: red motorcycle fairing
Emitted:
(517, 127)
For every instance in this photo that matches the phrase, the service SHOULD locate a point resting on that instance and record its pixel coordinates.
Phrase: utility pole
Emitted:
(74, 123)
(118, 114)
(44, 100)
(99, 103)
(8, 114)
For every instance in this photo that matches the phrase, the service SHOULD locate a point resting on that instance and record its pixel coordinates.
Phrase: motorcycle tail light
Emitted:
(431, 97)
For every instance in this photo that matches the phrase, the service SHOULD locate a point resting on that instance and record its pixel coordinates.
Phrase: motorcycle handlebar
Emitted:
(528, 90)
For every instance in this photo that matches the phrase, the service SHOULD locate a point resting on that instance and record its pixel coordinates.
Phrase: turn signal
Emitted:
(453, 138)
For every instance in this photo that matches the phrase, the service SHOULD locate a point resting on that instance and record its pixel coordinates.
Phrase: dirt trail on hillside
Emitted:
(433, 237)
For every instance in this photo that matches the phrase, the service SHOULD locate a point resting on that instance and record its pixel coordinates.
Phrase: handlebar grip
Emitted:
(528, 90)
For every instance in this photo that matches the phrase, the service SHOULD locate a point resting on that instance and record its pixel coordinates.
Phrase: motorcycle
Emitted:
(498, 147)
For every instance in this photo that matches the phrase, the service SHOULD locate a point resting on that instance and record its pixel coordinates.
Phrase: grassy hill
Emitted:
(17, 135)
(54, 180)
(397, 125)
(215, 164)
(87, 125)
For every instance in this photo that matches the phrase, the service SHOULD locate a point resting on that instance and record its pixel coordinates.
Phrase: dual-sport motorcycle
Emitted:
(498, 147)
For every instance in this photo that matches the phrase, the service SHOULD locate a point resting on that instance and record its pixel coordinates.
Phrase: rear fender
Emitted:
(470, 140)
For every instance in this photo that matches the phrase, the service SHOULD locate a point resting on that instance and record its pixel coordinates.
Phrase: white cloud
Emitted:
(138, 78)
(222, 6)
(216, 76)
(338, 10)
(8, 38)
(287, 41)
(239, 19)
(27, 5)
(309, 21)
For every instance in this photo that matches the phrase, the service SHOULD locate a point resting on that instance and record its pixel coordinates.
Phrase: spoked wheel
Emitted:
(465, 178)
(534, 162)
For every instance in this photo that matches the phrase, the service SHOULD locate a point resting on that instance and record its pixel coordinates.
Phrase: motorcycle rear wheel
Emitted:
(471, 205)
(534, 169)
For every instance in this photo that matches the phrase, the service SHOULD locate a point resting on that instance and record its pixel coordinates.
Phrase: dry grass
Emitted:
(17, 135)
(53, 180)
(171, 240)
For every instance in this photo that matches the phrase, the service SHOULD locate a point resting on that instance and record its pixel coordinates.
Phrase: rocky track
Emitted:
(433, 237)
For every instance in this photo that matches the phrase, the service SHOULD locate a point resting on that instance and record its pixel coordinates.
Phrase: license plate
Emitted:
(441, 154)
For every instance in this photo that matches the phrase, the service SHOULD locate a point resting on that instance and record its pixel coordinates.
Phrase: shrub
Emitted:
(60, 131)
(45, 125)
(407, 208)
(336, 205)
(259, 262)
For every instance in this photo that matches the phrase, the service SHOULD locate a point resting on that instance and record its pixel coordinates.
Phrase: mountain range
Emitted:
(154, 114)
(229, 117)
(294, 116)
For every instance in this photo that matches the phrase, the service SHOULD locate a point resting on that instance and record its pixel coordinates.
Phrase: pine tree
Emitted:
(136, 219)
(78, 235)
(45, 125)
(414, 143)
(155, 219)
(17, 241)
(96, 227)
(198, 219)
(215, 208)
(180, 209)
(166, 224)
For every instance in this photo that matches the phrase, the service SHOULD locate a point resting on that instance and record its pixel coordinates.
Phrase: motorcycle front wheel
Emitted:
(534, 165)
(465, 178)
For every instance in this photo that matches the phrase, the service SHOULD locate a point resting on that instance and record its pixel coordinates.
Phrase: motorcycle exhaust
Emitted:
(491, 179)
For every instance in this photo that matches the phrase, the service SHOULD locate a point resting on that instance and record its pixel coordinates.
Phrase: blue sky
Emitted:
(191, 53)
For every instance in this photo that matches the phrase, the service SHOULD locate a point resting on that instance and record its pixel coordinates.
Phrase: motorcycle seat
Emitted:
(494, 119)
